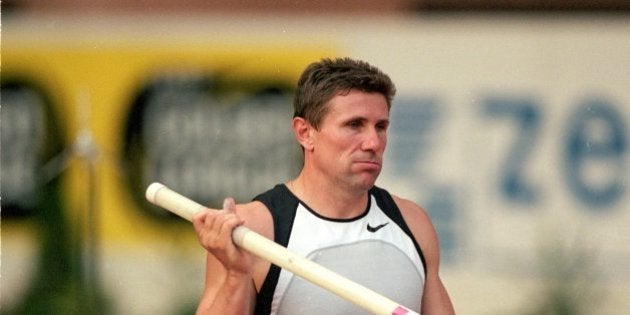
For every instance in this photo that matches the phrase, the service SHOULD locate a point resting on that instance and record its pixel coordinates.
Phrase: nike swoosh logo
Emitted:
(376, 228)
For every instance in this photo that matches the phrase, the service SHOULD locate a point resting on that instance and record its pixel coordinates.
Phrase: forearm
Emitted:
(236, 295)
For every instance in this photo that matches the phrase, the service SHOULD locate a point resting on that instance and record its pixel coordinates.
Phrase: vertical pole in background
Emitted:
(89, 221)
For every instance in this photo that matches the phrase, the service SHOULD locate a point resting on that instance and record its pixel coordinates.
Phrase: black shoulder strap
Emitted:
(385, 201)
(282, 204)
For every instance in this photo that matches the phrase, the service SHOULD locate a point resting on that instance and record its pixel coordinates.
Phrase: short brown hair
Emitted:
(323, 80)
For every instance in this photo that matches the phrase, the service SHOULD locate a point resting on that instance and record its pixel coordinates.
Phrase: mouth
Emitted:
(369, 164)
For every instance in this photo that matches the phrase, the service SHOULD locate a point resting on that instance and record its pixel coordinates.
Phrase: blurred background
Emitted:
(510, 127)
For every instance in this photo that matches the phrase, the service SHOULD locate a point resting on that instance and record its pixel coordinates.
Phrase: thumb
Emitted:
(229, 205)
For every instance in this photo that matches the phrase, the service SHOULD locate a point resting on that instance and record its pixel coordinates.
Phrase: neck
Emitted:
(328, 199)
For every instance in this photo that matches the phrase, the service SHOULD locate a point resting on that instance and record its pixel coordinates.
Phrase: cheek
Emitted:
(352, 144)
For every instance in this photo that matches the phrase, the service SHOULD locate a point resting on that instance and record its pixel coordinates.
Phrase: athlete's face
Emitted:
(351, 139)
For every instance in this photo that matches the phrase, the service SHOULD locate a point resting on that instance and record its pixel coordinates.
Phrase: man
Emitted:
(331, 213)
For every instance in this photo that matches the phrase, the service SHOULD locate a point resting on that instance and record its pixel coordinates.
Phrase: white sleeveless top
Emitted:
(371, 250)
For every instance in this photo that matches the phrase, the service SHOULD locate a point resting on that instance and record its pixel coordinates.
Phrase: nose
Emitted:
(375, 140)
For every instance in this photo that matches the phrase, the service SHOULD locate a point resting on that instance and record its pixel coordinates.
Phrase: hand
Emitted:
(214, 231)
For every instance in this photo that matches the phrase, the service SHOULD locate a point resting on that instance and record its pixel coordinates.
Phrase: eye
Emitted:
(355, 123)
(382, 126)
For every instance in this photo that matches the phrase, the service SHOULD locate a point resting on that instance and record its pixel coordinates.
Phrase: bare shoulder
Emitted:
(413, 213)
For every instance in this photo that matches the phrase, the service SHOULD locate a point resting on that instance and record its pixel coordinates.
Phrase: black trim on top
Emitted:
(283, 205)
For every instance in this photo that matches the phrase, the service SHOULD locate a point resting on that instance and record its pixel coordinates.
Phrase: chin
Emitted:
(366, 183)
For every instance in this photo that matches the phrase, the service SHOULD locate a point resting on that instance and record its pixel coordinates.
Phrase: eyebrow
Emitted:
(363, 119)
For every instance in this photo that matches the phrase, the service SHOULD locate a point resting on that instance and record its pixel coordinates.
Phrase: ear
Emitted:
(303, 133)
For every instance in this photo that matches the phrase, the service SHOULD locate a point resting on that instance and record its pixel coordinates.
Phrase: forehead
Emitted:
(357, 103)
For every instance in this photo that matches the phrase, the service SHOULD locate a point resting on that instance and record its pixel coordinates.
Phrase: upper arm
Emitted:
(435, 299)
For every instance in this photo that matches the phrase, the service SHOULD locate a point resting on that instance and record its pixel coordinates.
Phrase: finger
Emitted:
(202, 215)
(200, 218)
(227, 226)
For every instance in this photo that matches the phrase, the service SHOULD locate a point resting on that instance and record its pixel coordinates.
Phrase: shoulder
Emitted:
(411, 211)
